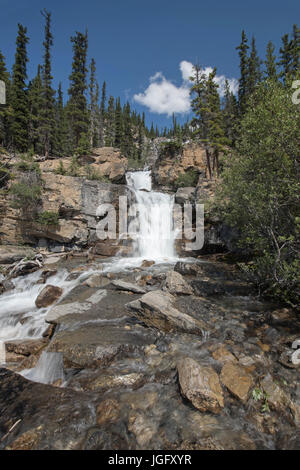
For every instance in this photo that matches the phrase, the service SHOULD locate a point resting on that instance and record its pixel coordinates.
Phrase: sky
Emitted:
(144, 50)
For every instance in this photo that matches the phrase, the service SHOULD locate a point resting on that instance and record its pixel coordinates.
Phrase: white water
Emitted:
(21, 319)
(49, 369)
(155, 238)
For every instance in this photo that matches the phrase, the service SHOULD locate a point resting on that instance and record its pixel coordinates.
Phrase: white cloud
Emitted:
(163, 97)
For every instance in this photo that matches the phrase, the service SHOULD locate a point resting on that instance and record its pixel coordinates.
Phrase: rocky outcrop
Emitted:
(200, 385)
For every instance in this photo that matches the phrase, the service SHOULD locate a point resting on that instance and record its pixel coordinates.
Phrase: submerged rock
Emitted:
(237, 380)
(200, 385)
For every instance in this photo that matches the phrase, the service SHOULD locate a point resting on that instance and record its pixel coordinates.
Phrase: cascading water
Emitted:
(49, 369)
(155, 239)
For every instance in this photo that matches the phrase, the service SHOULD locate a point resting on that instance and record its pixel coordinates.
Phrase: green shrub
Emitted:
(92, 174)
(74, 168)
(61, 169)
(48, 218)
(24, 195)
(188, 178)
(173, 147)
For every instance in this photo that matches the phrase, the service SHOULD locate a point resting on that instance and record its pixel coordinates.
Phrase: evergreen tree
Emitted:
(127, 145)
(102, 114)
(110, 123)
(295, 51)
(270, 62)
(61, 142)
(285, 57)
(244, 71)
(118, 124)
(35, 100)
(230, 112)
(77, 106)
(47, 125)
(254, 73)
(19, 99)
(93, 105)
(4, 111)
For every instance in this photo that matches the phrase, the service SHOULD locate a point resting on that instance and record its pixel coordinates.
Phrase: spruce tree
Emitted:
(102, 115)
(244, 73)
(61, 146)
(230, 112)
(127, 145)
(4, 110)
(93, 104)
(285, 57)
(35, 101)
(254, 73)
(77, 106)
(110, 123)
(118, 124)
(19, 99)
(47, 125)
(295, 51)
(270, 62)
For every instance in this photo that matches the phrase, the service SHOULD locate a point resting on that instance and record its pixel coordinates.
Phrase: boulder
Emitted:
(25, 347)
(48, 296)
(184, 195)
(127, 286)
(108, 411)
(237, 380)
(176, 284)
(147, 263)
(200, 385)
(156, 309)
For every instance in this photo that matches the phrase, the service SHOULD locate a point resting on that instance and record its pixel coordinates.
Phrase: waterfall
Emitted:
(155, 239)
(49, 369)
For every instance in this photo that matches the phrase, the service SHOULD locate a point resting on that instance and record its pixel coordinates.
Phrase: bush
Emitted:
(61, 169)
(48, 218)
(26, 193)
(260, 192)
(173, 147)
(74, 168)
(188, 178)
(92, 174)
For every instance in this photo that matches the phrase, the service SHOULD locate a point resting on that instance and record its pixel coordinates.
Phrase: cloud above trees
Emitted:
(162, 96)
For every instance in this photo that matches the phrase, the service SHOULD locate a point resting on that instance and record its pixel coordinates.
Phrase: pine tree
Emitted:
(270, 62)
(77, 106)
(285, 57)
(93, 104)
(61, 142)
(127, 145)
(244, 71)
(19, 99)
(254, 73)
(295, 51)
(35, 101)
(102, 114)
(110, 123)
(4, 111)
(230, 112)
(118, 124)
(47, 125)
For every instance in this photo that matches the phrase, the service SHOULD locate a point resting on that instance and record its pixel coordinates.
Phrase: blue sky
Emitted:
(133, 40)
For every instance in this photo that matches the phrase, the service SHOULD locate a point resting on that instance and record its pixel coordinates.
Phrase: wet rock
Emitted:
(96, 280)
(51, 417)
(143, 428)
(106, 248)
(10, 254)
(156, 309)
(192, 269)
(74, 307)
(278, 399)
(147, 263)
(6, 286)
(25, 347)
(127, 286)
(200, 385)
(48, 273)
(103, 381)
(282, 317)
(237, 380)
(222, 354)
(48, 296)
(176, 284)
(108, 411)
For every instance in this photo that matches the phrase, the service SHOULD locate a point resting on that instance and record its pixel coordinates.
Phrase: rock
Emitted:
(143, 428)
(147, 263)
(61, 310)
(223, 355)
(108, 411)
(52, 260)
(106, 248)
(48, 273)
(156, 309)
(6, 286)
(237, 380)
(200, 385)
(184, 195)
(48, 296)
(25, 347)
(96, 280)
(176, 284)
(188, 268)
(127, 286)
(10, 254)
(102, 382)
(278, 400)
